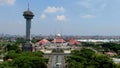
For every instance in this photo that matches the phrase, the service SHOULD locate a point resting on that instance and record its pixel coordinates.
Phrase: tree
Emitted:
(6, 64)
(87, 53)
(25, 60)
(22, 62)
(14, 47)
(86, 58)
(112, 46)
(11, 54)
(102, 61)
(88, 44)
(20, 41)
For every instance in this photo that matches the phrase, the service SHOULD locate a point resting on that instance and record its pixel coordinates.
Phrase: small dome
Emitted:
(28, 12)
(59, 35)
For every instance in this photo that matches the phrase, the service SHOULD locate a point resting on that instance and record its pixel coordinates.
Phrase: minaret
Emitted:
(28, 15)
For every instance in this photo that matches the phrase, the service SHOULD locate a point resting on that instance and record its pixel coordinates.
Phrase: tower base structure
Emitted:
(27, 47)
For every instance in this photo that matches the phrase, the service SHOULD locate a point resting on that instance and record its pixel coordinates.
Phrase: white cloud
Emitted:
(88, 16)
(93, 6)
(50, 9)
(9, 2)
(43, 16)
(61, 18)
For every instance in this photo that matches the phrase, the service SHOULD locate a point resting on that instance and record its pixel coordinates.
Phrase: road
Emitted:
(56, 59)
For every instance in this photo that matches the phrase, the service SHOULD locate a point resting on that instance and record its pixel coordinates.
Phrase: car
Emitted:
(57, 65)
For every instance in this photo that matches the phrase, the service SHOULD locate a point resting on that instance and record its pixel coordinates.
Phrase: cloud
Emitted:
(56, 10)
(93, 6)
(9, 2)
(43, 16)
(61, 18)
(88, 16)
(50, 9)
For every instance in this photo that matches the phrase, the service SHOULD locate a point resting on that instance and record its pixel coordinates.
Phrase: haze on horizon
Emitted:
(67, 17)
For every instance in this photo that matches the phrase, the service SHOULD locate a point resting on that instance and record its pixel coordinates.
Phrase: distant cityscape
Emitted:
(65, 36)
(79, 38)
(75, 36)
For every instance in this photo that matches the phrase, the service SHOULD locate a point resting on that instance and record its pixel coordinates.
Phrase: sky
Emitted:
(67, 17)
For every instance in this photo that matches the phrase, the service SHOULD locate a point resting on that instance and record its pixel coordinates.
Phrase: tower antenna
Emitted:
(28, 5)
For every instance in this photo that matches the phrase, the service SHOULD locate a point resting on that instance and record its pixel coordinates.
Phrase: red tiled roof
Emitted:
(111, 53)
(73, 41)
(59, 40)
(43, 41)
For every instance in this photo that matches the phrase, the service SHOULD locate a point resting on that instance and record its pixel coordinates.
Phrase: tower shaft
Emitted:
(28, 31)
